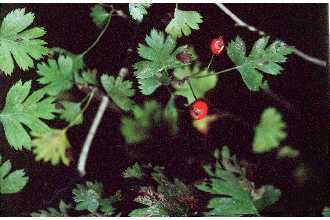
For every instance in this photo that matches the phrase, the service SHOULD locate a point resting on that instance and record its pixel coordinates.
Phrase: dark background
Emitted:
(302, 84)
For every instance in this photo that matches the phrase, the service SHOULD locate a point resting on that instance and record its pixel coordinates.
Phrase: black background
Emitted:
(302, 84)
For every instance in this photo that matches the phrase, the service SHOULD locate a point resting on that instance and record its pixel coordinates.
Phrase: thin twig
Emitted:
(241, 23)
(98, 94)
(98, 37)
(90, 136)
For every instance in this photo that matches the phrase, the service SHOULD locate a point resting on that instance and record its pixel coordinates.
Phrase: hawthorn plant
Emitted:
(27, 114)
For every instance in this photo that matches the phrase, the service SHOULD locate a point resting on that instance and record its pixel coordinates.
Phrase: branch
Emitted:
(241, 23)
(88, 141)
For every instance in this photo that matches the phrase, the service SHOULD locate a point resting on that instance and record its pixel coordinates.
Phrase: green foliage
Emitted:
(230, 198)
(51, 146)
(139, 127)
(56, 76)
(183, 22)
(138, 10)
(21, 109)
(11, 181)
(135, 171)
(269, 132)
(119, 90)
(19, 43)
(261, 58)
(270, 195)
(160, 56)
(166, 201)
(170, 115)
(89, 197)
(87, 77)
(326, 212)
(200, 85)
(52, 212)
(287, 151)
(70, 112)
(99, 15)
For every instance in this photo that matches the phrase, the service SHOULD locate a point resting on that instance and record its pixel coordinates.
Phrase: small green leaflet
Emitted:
(86, 77)
(288, 152)
(138, 10)
(89, 197)
(230, 198)
(52, 212)
(119, 90)
(269, 132)
(70, 111)
(21, 109)
(99, 15)
(261, 58)
(326, 212)
(200, 85)
(56, 76)
(138, 128)
(159, 56)
(135, 171)
(170, 115)
(19, 43)
(183, 22)
(51, 146)
(11, 181)
(270, 196)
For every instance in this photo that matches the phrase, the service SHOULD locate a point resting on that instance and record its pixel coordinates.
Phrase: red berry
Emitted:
(217, 45)
(198, 110)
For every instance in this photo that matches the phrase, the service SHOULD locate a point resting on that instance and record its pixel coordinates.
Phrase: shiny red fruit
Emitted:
(217, 45)
(199, 110)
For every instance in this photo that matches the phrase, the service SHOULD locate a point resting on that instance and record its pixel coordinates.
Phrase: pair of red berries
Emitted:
(199, 108)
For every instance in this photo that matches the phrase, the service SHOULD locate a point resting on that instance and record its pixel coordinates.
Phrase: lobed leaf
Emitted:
(19, 43)
(183, 22)
(22, 109)
(269, 132)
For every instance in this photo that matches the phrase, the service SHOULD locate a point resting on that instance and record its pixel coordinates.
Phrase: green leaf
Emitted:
(134, 171)
(11, 181)
(19, 43)
(99, 15)
(261, 59)
(287, 151)
(119, 90)
(149, 85)
(21, 109)
(56, 76)
(88, 196)
(106, 207)
(270, 196)
(138, 128)
(200, 85)
(52, 212)
(159, 56)
(223, 182)
(183, 22)
(51, 146)
(269, 132)
(156, 210)
(70, 111)
(326, 212)
(87, 77)
(138, 10)
(170, 115)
